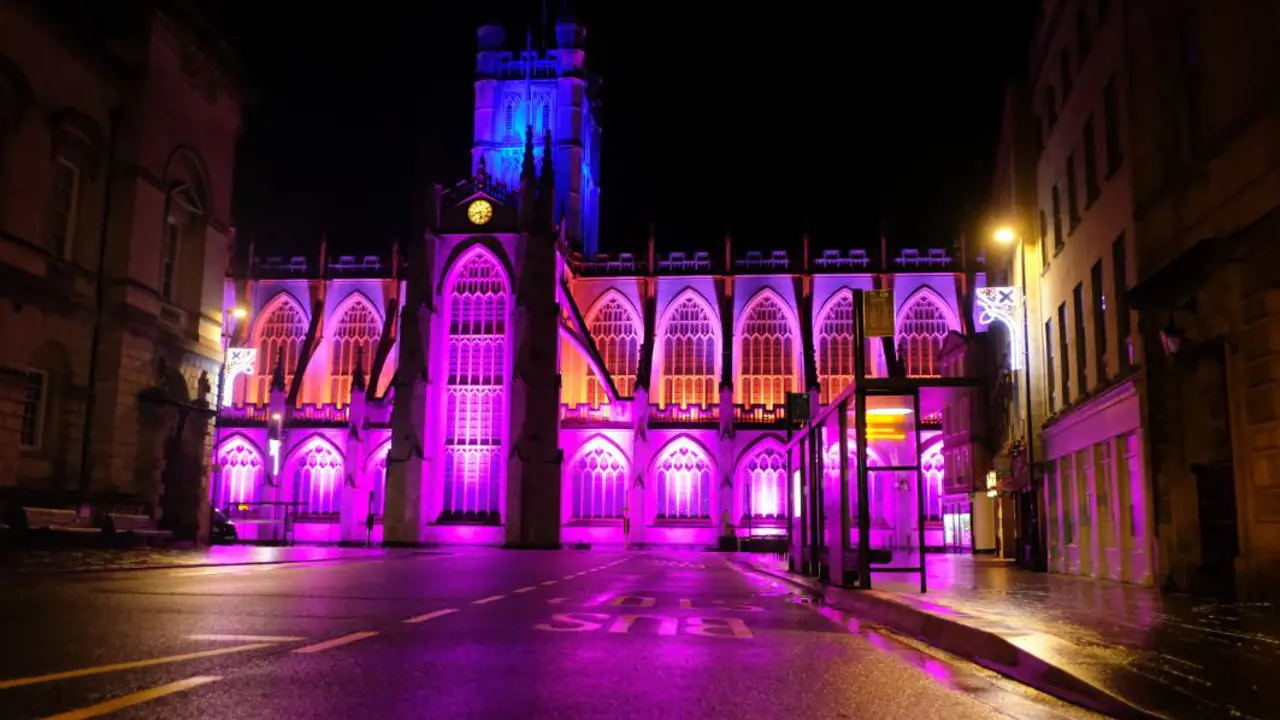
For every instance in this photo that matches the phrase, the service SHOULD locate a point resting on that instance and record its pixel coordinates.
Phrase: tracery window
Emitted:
(764, 489)
(379, 483)
(835, 348)
(689, 355)
(282, 331)
(355, 335)
(922, 326)
(241, 473)
(598, 479)
(509, 116)
(475, 419)
(318, 480)
(683, 473)
(616, 332)
(767, 354)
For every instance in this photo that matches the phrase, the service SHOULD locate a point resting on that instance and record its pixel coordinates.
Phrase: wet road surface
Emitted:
(479, 634)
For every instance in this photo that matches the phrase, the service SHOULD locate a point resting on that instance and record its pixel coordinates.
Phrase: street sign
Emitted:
(797, 408)
(877, 313)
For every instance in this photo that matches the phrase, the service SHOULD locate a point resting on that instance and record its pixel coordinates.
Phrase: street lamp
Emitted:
(228, 329)
(1008, 236)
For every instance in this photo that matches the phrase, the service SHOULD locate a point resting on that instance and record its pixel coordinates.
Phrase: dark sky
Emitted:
(715, 116)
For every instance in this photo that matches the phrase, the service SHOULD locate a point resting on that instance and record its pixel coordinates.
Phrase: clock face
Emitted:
(479, 211)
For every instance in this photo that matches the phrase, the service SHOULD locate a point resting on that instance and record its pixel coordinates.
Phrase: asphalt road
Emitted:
(472, 634)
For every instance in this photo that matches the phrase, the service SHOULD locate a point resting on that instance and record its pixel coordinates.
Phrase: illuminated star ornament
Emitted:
(1001, 304)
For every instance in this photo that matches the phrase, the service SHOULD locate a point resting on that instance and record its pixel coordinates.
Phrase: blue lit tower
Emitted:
(542, 90)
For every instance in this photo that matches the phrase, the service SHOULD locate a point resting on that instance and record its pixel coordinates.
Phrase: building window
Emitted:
(1059, 241)
(1044, 241)
(1082, 356)
(689, 355)
(922, 326)
(598, 479)
(1051, 106)
(1091, 188)
(1120, 296)
(616, 331)
(280, 338)
(1050, 381)
(1063, 356)
(1073, 200)
(33, 408)
(475, 413)
(766, 354)
(318, 480)
(241, 473)
(545, 115)
(356, 336)
(62, 207)
(1099, 321)
(1065, 69)
(835, 348)
(1111, 116)
(763, 490)
(379, 505)
(169, 258)
(509, 116)
(684, 473)
(1084, 34)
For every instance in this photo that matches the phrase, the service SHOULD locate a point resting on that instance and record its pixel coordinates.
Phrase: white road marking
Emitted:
(432, 615)
(487, 600)
(550, 582)
(337, 642)
(247, 638)
(526, 588)
(137, 698)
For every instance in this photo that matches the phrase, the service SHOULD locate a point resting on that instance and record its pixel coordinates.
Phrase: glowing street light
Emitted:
(239, 313)
(1005, 235)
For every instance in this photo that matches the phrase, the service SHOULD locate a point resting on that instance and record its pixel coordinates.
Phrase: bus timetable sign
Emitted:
(877, 313)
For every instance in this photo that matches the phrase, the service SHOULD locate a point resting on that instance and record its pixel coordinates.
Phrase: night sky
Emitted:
(715, 117)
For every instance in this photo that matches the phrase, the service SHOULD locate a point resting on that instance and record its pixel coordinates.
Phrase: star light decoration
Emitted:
(1001, 304)
(239, 362)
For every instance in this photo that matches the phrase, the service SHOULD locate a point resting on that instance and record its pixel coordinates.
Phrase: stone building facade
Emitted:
(494, 384)
(117, 143)
(1206, 186)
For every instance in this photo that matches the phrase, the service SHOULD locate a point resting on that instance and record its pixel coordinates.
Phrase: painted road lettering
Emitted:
(663, 625)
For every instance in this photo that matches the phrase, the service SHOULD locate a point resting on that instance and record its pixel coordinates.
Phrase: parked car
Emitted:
(223, 531)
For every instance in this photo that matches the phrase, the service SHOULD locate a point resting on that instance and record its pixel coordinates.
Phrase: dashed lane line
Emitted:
(337, 642)
(549, 582)
(432, 615)
(487, 600)
(525, 589)
(137, 698)
(247, 638)
(100, 669)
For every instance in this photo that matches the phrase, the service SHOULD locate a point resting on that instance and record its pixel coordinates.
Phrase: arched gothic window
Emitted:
(541, 114)
(683, 473)
(616, 332)
(241, 473)
(475, 416)
(379, 482)
(767, 354)
(932, 467)
(282, 331)
(356, 334)
(318, 480)
(764, 488)
(922, 326)
(599, 483)
(509, 116)
(689, 355)
(835, 348)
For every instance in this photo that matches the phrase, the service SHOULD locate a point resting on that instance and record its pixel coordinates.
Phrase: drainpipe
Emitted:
(90, 403)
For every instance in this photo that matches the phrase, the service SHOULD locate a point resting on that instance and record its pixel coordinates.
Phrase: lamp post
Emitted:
(237, 313)
(1007, 236)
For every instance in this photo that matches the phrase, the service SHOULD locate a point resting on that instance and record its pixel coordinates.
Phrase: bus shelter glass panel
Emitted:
(893, 487)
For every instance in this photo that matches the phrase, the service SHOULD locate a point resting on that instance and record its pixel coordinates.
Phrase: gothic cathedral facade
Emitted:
(500, 382)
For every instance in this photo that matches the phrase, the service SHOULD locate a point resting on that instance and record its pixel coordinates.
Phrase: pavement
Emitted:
(1129, 650)
(470, 634)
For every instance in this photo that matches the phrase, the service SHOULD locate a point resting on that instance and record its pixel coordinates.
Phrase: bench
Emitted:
(63, 526)
(138, 527)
